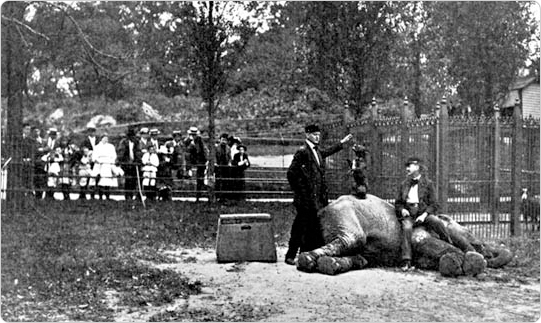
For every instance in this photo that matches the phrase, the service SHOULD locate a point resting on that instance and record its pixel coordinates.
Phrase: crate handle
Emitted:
(245, 227)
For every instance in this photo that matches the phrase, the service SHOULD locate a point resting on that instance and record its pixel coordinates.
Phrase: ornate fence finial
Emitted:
(438, 107)
(374, 109)
(406, 102)
(443, 100)
(517, 101)
(496, 111)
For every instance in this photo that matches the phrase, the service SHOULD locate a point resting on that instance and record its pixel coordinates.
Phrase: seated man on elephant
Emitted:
(415, 204)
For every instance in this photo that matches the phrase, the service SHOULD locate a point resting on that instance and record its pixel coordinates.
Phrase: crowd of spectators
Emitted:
(142, 164)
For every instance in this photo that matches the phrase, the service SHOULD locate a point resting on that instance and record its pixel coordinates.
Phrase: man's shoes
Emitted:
(406, 266)
(290, 261)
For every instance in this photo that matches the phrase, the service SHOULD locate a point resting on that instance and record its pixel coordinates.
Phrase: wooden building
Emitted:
(526, 89)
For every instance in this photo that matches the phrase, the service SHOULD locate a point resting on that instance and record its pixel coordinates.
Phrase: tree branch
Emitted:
(22, 24)
(82, 34)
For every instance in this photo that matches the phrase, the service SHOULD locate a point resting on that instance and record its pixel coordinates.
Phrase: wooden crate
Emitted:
(245, 237)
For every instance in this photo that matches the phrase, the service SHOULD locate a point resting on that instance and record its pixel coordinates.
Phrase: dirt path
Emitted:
(278, 292)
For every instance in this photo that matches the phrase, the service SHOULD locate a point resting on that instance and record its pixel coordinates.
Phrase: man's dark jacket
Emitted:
(86, 143)
(124, 151)
(427, 196)
(307, 178)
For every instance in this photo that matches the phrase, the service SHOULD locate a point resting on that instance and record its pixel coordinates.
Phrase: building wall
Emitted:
(531, 101)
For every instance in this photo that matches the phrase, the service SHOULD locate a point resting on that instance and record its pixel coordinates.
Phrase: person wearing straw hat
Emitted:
(416, 204)
(150, 162)
(154, 132)
(52, 136)
(306, 176)
(144, 139)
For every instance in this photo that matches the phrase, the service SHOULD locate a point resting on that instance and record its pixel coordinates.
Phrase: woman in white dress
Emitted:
(104, 156)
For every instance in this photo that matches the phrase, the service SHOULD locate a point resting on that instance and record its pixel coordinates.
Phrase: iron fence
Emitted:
(471, 159)
(481, 167)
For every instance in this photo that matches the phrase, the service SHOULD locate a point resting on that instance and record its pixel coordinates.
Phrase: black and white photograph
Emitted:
(273, 161)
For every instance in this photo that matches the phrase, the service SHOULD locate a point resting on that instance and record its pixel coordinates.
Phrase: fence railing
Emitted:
(479, 165)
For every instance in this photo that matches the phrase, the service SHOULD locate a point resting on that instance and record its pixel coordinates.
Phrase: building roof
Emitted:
(521, 83)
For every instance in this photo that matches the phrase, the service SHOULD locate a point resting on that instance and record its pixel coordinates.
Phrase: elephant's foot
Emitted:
(450, 264)
(307, 261)
(329, 265)
(336, 265)
(474, 263)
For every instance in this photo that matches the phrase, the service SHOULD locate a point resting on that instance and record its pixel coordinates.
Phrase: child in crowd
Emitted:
(53, 161)
(86, 180)
(150, 161)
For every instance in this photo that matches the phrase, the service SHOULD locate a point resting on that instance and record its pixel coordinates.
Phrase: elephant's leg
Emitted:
(428, 250)
(340, 247)
(463, 239)
(432, 253)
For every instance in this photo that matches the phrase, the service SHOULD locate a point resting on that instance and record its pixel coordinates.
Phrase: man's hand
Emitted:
(405, 213)
(422, 217)
(346, 138)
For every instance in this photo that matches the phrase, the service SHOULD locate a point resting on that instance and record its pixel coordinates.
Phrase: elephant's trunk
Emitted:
(500, 256)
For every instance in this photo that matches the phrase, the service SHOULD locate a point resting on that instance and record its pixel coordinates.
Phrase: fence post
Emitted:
(516, 170)
(437, 150)
(496, 167)
(443, 184)
(404, 135)
(375, 152)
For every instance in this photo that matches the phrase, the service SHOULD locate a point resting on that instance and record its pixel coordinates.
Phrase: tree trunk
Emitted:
(210, 88)
(13, 53)
(212, 148)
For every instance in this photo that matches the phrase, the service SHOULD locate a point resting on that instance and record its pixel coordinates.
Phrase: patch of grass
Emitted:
(60, 259)
(230, 312)
(526, 261)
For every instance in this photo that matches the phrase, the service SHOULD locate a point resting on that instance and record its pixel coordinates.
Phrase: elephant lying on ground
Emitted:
(365, 232)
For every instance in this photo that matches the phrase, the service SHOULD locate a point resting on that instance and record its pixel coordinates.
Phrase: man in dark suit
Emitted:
(415, 204)
(223, 167)
(178, 159)
(129, 158)
(306, 176)
(90, 139)
(28, 155)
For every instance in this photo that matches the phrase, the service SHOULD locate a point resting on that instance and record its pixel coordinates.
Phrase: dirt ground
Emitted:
(257, 291)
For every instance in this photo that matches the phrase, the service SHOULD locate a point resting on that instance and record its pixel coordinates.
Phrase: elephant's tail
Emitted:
(500, 256)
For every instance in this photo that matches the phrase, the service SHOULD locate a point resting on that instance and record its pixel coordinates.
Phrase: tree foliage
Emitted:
(323, 54)
(483, 45)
